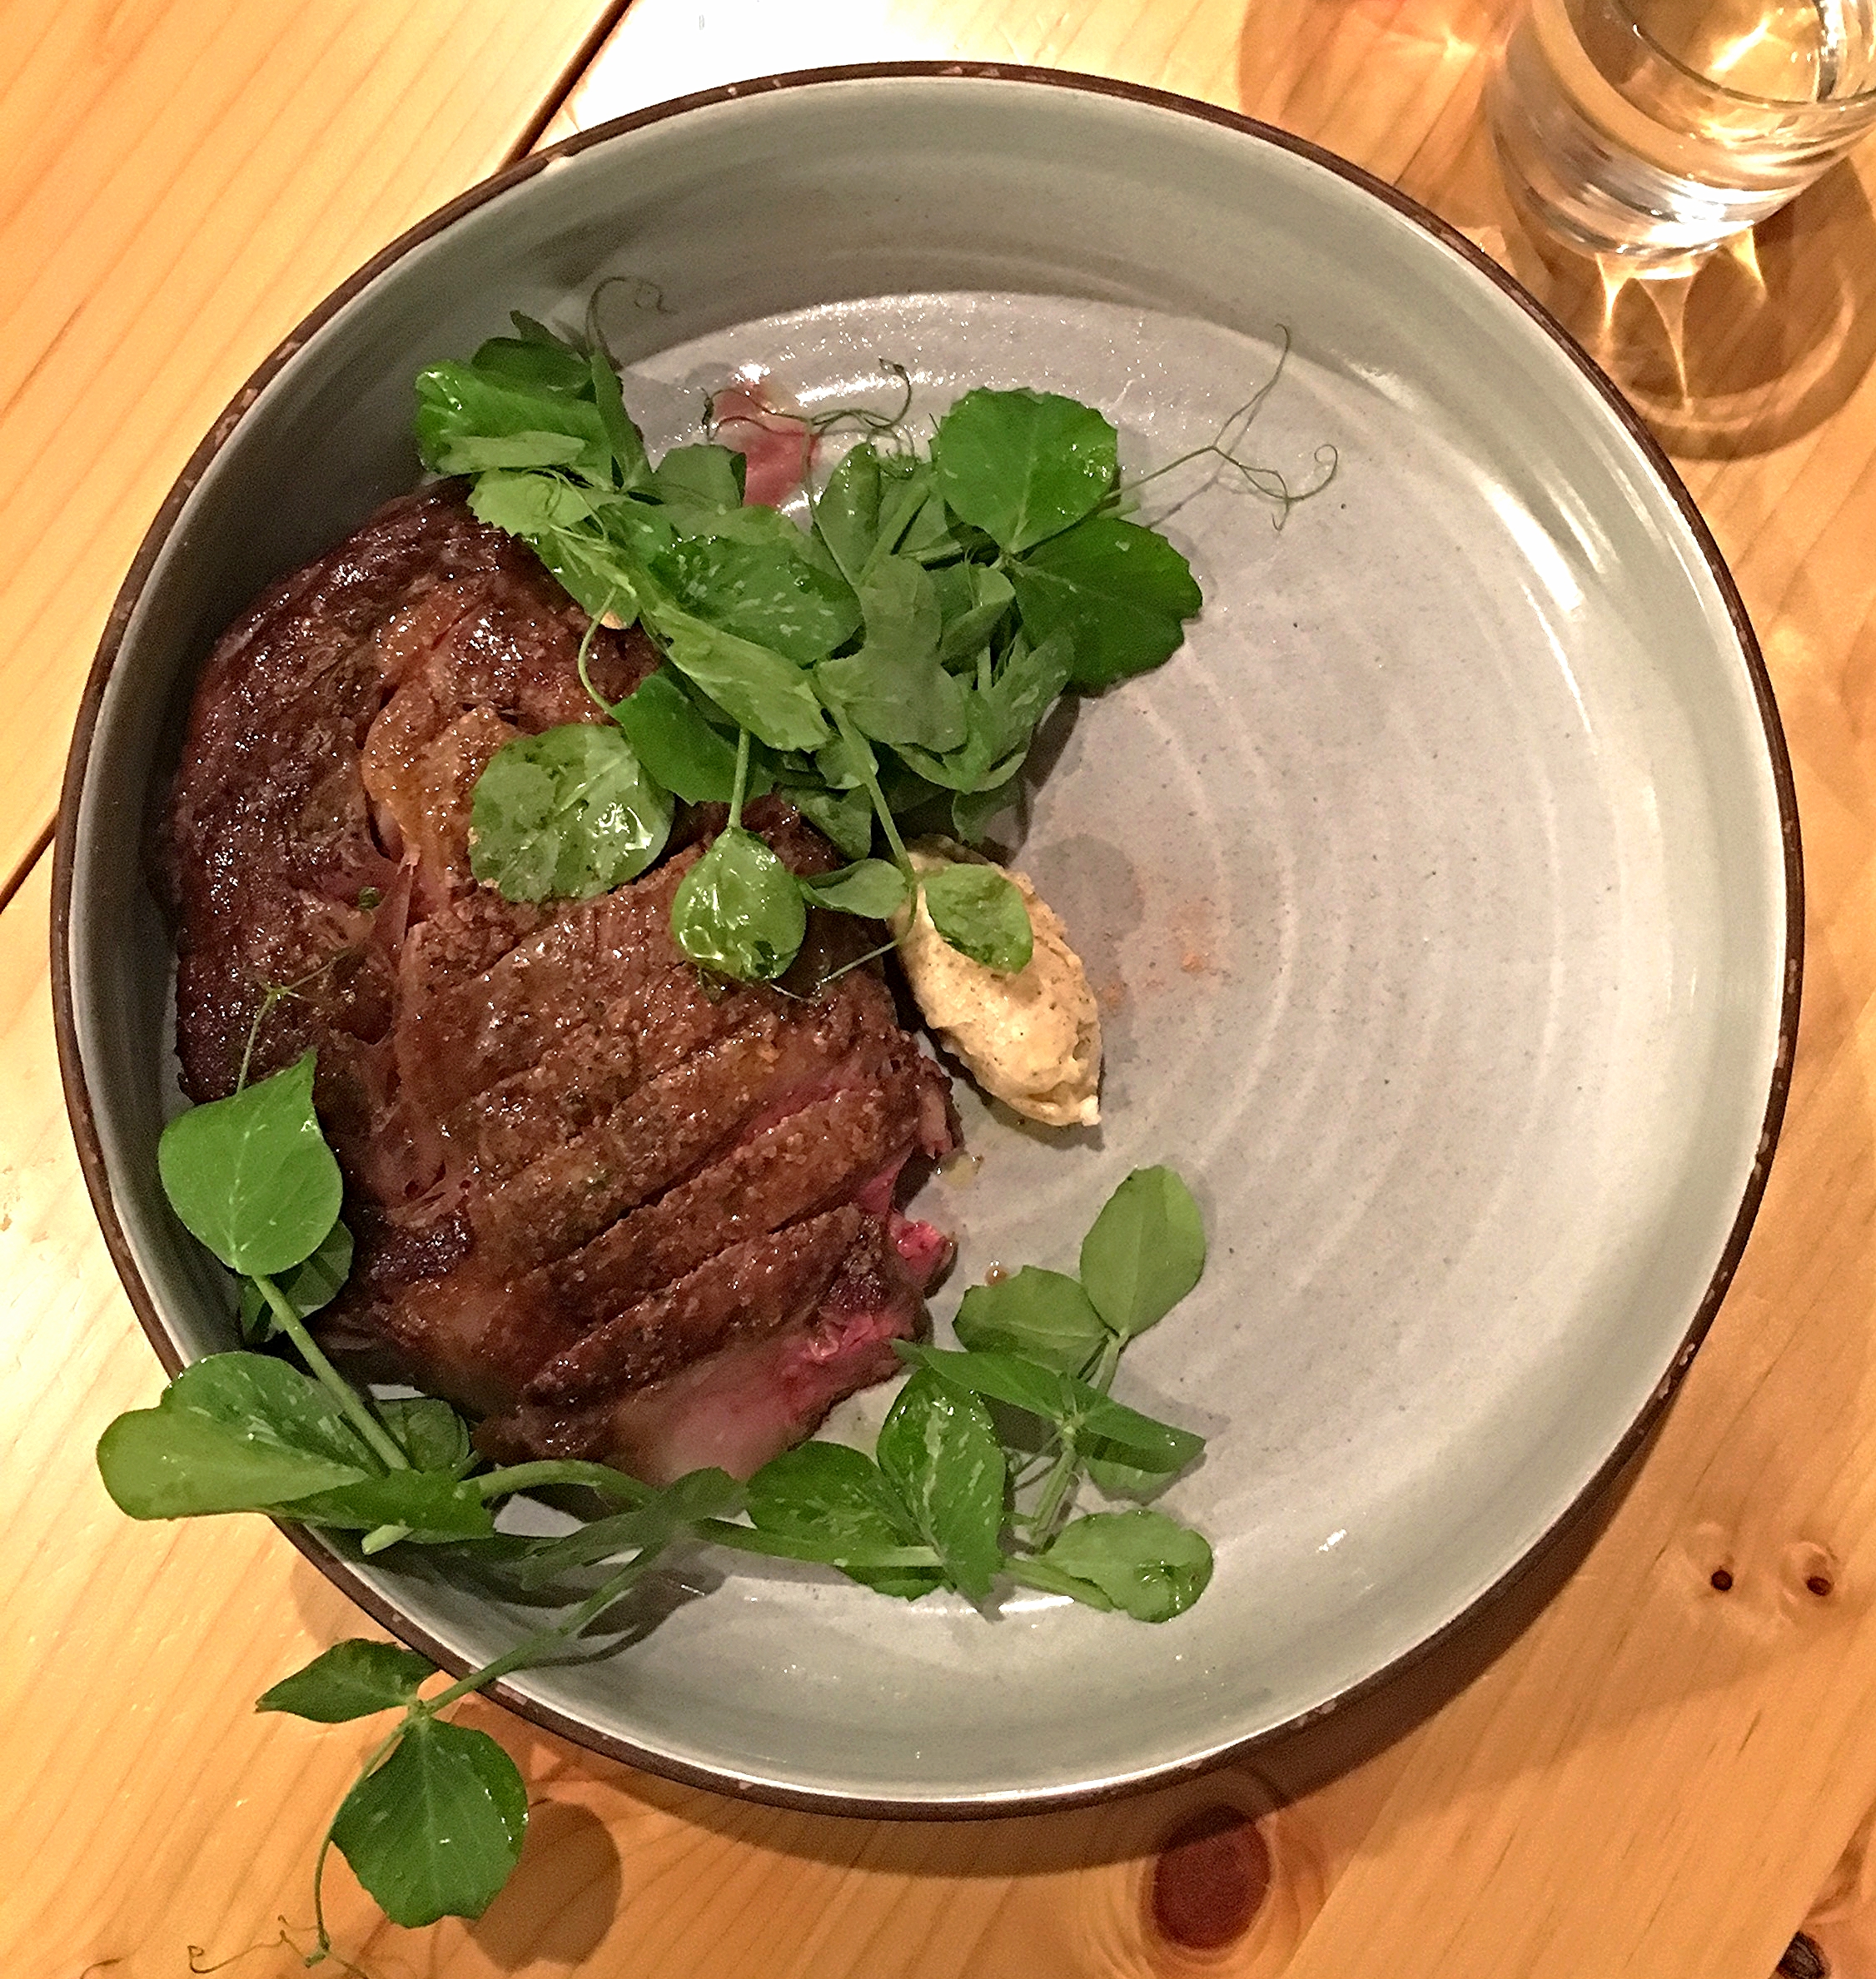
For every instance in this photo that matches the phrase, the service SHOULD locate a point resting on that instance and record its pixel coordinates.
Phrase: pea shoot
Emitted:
(972, 1483)
(889, 663)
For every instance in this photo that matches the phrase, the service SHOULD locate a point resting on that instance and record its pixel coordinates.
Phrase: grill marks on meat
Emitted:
(616, 1210)
(735, 1361)
(827, 1151)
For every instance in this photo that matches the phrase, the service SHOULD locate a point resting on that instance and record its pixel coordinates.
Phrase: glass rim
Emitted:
(1863, 98)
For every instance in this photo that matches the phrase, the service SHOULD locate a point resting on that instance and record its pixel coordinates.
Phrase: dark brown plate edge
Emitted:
(341, 1572)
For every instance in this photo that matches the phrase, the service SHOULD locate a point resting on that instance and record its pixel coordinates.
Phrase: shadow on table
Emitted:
(1206, 1852)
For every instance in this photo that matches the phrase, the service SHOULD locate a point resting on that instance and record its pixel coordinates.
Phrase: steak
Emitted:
(615, 1208)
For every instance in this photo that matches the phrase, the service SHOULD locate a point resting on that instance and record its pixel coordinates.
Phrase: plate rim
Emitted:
(342, 1572)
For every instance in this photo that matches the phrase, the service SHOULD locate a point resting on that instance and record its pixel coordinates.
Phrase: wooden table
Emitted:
(1658, 1758)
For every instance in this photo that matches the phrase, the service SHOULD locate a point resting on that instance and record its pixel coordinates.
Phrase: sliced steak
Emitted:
(735, 1361)
(609, 1204)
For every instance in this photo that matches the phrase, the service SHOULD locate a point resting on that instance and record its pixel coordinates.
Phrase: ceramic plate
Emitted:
(1442, 894)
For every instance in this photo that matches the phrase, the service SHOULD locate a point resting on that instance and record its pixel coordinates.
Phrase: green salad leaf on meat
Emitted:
(909, 642)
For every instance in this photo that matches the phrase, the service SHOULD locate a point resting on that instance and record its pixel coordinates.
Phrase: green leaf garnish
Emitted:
(233, 1433)
(250, 1175)
(430, 1507)
(1121, 593)
(844, 818)
(980, 913)
(972, 811)
(874, 889)
(627, 442)
(755, 686)
(566, 814)
(1023, 465)
(532, 364)
(712, 475)
(840, 1500)
(247, 1433)
(738, 910)
(351, 1679)
(308, 1287)
(1145, 1252)
(1147, 1564)
(1001, 718)
(1045, 1316)
(429, 1432)
(847, 515)
(436, 1830)
(974, 599)
(939, 1449)
(468, 422)
(676, 745)
(1094, 1421)
(771, 592)
(894, 688)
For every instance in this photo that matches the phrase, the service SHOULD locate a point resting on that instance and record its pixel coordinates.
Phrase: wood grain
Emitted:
(184, 180)
(1658, 1776)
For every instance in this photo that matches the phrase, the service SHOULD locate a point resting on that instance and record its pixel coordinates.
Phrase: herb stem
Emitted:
(531, 1649)
(870, 777)
(567, 1471)
(1110, 1359)
(591, 633)
(1035, 1573)
(360, 1418)
(1265, 482)
(1066, 1474)
(864, 416)
(379, 1753)
(847, 967)
(268, 997)
(741, 783)
(275, 992)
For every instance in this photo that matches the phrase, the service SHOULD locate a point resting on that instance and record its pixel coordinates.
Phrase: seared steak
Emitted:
(617, 1210)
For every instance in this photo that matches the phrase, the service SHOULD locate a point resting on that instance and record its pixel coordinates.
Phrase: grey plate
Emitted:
(1443, 892)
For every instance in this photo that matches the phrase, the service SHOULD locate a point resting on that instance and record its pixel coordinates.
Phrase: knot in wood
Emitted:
(1802, 1960)
(1213, 1875)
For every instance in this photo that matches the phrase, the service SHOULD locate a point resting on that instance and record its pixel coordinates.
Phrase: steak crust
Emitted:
(610, 1205)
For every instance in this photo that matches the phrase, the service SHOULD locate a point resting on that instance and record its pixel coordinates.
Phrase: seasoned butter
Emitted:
(1032, 1038)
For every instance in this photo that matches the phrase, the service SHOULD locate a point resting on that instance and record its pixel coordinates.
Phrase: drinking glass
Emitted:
(1653, 129)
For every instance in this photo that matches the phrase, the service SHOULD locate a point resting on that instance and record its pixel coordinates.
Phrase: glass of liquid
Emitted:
(1651, 130)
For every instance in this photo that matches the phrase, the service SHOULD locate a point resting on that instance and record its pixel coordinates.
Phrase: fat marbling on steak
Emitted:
(613, 1208)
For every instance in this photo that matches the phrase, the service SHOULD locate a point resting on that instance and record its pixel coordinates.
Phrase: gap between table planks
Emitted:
(1654, 1778)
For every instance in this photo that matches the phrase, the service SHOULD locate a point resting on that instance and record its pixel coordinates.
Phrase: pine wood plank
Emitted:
(185, 179)
(1655, 1778)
